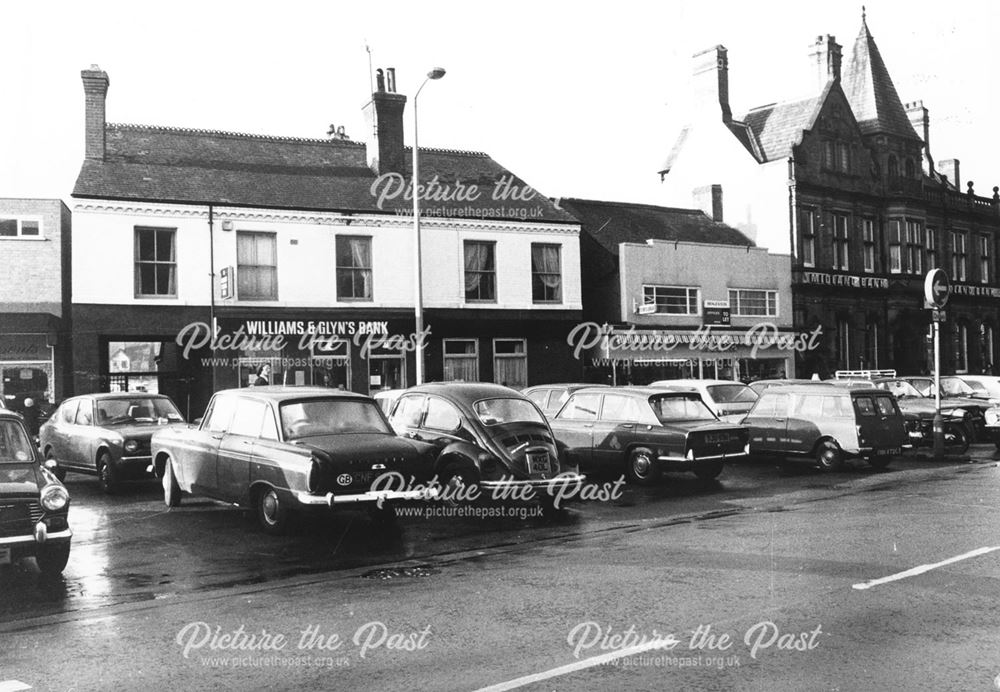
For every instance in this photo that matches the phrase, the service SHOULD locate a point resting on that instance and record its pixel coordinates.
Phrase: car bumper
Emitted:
(684, 461)
(135, 466)
(40, 535)
(534, 483)
(329, 500)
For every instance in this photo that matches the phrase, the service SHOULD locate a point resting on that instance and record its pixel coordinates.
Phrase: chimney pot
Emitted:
(922, 124)
(384, 115)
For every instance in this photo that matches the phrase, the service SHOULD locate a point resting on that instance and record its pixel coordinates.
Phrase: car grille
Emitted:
(18, 517)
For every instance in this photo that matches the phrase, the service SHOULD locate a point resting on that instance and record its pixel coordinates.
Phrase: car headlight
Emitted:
(131, 446)
(54, 497)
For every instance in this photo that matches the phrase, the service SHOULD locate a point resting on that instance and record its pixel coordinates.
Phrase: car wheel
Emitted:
(641, 468)
(106, 474)
(879, 462)
(956, 440)
(52, 558)
(709, 471)
(828, 456)
(58, 471)
(272, 513)
(171, 491)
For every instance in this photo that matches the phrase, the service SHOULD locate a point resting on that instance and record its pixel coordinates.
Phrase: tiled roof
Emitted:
(778, 127)
(871, 93)
(611, 223)
(159, 164)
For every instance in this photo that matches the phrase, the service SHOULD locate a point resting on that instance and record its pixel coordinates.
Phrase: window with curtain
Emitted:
(461, 359)
(256, 265)
(546, 273)
(841, 242)
(932, 245)
(895, 246)
(354, 268)
(914, 247)
(480, 271)
(510, 362)
(155, 262)
(984, 259)
(958, 256)
(868, 237)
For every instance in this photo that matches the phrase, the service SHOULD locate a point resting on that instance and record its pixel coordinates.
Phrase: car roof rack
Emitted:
(863, 374)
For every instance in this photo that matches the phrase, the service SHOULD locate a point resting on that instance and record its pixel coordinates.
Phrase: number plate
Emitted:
(894, 451)
(538, 464)
(4, 555)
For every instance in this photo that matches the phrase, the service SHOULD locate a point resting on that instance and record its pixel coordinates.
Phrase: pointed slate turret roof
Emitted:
(870, 90)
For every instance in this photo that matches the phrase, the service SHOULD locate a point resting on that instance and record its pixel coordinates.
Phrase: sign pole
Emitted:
(938, 424)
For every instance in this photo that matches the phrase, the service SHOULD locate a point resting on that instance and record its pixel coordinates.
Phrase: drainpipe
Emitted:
(211, 286)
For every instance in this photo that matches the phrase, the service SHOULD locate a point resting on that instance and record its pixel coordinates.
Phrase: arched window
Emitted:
(910, 169)
(893, 166)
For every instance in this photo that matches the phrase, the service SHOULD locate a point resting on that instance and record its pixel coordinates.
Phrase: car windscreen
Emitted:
(952, 386)
(315, 417)
(901, 388)
(15, 447)
(503, 411)
(678, 408)
(731, 394)
(137, 409)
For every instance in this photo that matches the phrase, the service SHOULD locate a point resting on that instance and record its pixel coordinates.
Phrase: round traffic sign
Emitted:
(937, 288)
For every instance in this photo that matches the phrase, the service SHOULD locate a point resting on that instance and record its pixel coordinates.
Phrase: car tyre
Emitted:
(52, 558)
(171, 490)
(828, 456)
(59, 471)
(709, 471)
(641, 468)
(273, 515)
(956, 439)
(107, 476)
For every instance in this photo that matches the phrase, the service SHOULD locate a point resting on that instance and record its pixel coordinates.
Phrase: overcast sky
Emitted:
(579, 99)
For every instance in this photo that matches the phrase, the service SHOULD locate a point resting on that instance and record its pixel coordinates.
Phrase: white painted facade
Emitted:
(104, 256)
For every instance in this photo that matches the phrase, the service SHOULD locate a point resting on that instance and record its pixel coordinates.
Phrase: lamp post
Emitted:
(418, 289)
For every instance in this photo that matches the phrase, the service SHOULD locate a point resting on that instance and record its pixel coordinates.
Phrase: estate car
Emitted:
(106, 434)
(287, 450)
(727, 399)
(34, 505)
(827, 424)
(646, 431)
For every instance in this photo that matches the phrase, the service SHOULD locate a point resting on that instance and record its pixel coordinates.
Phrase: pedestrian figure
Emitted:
(32, 416)
(263, 373)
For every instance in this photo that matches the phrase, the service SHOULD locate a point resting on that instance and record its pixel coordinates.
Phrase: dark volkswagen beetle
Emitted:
(488, 435)
(33, 503)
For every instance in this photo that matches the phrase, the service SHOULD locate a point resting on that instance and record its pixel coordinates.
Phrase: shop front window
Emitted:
(510, 362)
(135, 366)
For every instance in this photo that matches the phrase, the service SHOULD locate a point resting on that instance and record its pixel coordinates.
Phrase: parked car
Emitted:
(983, 386)
(284, 451)
(955, 394)
(728, 400)
(992, 424)
(107, 435)
(760, 385)
(488, 436)
(551, 397)
(918, 414)
(34, 505)
(827, 425)
(646, 431)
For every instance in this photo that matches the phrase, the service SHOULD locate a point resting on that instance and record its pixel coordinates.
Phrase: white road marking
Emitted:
(13, 686)
(573, 667)
(924, 568)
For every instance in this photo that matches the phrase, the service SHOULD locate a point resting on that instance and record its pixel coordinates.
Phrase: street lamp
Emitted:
(418, 310)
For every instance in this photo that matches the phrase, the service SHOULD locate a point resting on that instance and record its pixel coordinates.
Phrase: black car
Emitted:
(34, 505)
(645, 431)
(488, 436)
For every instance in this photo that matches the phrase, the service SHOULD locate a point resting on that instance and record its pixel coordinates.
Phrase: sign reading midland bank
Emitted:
(845, 280)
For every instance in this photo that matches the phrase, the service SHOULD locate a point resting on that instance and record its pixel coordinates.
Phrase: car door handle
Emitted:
(216, 437)
(779, 420)
(588, 425)
(628, 426)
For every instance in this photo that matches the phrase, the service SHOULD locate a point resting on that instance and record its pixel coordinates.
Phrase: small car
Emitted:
(551, 397)
(34, 505)
(827, 424)
(106, 434)
(646, 431)
(285, 451)
(727, 399)
(489, 436)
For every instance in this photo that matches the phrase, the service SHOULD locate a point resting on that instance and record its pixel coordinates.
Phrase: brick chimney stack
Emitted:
(711, 82)
(384, 117)
(922, 124)
(826, 57)
(95, 90)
